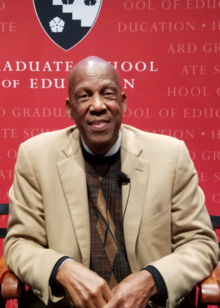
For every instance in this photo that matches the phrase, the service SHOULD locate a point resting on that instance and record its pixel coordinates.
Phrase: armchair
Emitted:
(10, 286)
(209, 289)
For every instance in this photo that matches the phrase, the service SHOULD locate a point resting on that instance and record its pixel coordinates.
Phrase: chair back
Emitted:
(215, 223)
(3, 211)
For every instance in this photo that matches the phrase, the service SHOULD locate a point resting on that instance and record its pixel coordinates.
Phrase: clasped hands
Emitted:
(86, 289)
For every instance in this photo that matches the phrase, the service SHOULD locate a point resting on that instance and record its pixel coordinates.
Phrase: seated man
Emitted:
(103, 214)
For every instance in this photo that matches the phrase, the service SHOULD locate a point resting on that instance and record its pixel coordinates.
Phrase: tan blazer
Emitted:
(165, 221)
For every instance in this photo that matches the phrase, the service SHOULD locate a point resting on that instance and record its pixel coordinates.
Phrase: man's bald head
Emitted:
(92, 67)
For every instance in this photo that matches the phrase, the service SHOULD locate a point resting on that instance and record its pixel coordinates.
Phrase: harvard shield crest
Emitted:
(67, 22)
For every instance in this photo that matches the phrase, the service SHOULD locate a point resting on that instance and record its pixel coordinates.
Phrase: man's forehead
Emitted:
(86, 78)
(103, 83)
(92, 70)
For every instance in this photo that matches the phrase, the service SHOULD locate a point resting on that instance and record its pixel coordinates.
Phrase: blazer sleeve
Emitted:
(194, 243)
(26, 248)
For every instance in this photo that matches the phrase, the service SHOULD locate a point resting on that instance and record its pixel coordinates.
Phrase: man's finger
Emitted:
(107, 294)
(144, 304)
(113, 290)
(113, 303)
(107, 305)
(91, 305)
(100, 303)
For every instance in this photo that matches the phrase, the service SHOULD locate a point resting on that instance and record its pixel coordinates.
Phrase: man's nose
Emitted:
(98, 103)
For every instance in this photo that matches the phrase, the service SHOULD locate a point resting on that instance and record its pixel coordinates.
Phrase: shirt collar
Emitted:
(114, 149)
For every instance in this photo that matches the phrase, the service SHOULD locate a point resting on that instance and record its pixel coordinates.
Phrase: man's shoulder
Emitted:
(146, 138)
(49, 144)
(160, 150)
(50, 138)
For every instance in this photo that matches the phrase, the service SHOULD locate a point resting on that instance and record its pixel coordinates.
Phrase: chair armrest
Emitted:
(209, 292)
(11, 287)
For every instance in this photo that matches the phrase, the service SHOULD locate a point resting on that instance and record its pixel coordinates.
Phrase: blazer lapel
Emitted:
(133, 193)
(72, 175)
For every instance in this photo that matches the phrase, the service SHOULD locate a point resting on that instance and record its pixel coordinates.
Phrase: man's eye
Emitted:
(108, 93)
(83, 96)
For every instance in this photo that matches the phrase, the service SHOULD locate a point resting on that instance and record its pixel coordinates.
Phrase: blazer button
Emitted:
(38, 293)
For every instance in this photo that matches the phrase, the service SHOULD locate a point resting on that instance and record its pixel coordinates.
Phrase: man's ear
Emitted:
(124, 102)
(69, 109)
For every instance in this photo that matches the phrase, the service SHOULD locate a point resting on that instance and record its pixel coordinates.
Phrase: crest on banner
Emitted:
(67, 22)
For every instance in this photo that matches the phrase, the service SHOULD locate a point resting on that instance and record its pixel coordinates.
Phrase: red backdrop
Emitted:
(166, 52)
